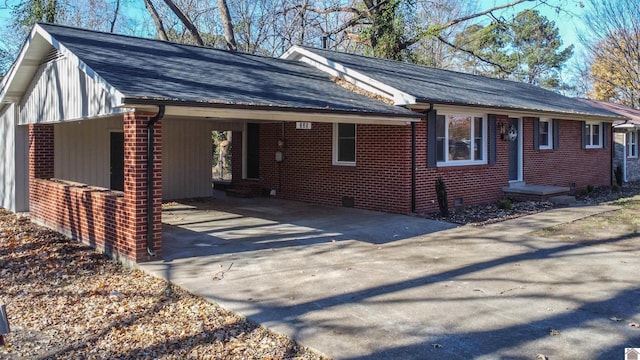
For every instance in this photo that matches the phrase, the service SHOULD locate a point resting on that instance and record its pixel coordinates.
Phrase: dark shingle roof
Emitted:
(439, 86)
(153, 69)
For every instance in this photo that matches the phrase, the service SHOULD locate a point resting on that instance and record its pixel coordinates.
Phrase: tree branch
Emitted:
(185, 21)
(499, 66)
(162, 34)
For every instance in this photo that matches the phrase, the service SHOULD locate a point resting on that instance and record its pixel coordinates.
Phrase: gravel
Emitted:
(480, 215)
(65, 301)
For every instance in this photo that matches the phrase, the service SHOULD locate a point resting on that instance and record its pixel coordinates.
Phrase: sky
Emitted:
(568, 21)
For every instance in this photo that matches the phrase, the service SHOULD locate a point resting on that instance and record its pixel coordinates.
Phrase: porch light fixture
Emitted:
(502, 128)
(280, 144)
(4, 323)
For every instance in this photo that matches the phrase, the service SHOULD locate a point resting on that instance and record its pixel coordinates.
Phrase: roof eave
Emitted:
(420, 105)
(270, 113)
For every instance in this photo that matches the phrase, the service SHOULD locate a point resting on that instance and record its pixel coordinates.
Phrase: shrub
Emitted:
(505, 204)
(443, 203)
(618, 175)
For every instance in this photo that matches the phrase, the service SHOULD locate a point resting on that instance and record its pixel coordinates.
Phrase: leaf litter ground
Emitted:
(65, 301)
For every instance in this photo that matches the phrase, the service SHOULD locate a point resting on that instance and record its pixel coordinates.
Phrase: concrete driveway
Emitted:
(356, 284)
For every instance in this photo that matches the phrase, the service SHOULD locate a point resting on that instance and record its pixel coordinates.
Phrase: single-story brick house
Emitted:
(103, 128)
(625, 136)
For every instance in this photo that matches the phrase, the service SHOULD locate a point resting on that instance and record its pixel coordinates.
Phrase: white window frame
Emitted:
(549, 144)
(589, 135)
(632, 143)
(336, 146)
(485, 136)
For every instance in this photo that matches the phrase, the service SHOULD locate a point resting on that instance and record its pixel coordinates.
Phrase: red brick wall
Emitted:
(381, 179)
(476, 184)
(94, 217)
(569, 165)
(114, 223)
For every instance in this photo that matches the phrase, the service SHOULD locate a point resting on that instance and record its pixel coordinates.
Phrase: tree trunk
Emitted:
(228, 25)
(162, 34)
(115, 15)
(186, 21)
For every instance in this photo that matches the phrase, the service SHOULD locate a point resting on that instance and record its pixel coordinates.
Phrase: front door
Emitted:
(116, 168)
(515, 150)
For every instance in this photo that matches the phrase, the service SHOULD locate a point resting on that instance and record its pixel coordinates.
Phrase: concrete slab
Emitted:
(363, 285)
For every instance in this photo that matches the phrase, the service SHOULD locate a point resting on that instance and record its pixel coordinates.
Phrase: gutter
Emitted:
(399, 112)
(150, 177)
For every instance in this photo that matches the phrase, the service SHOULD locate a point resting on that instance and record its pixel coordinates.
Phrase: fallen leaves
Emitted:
(66, 301)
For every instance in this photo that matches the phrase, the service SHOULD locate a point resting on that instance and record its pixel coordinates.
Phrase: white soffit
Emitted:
(356, 78)
(248, 114)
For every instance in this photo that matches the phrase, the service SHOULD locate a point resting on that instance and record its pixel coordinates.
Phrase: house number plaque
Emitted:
(303, 125)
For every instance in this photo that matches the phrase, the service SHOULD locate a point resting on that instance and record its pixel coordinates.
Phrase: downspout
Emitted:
(413, 167)
(150, 178)
(624, 154)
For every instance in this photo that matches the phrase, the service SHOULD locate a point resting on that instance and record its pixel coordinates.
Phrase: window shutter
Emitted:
(536, 133)
(431, 139)
(583, 142)
(556, 134)
(605, 135)
(492, 139)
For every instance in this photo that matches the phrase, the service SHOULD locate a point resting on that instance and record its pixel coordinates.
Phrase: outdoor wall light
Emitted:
(502, 128)
(280, 143)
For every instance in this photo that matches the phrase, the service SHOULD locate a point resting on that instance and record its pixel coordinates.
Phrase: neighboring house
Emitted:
(103, 128)
(625, 137)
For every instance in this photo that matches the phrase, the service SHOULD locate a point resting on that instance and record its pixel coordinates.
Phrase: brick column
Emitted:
(135, 186)
(40, 151)
(41, 165)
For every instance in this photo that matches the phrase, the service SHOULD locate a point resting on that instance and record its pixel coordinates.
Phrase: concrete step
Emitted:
(563, 199)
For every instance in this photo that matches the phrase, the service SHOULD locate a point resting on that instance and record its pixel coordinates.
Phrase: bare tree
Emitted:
(614, 46)
(162, 34)
(186, 21)
(227, 24)
(115, 15)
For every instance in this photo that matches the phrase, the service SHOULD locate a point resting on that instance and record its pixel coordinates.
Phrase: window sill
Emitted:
(342, 163)
(461, 163)
(588, 147)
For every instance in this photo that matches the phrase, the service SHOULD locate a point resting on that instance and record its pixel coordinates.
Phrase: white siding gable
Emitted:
(61, 91)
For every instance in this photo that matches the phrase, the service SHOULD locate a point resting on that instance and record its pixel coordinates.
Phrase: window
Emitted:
(593, 135)
(461, 140)
(545, 136)
(344, 144)
(632, 144)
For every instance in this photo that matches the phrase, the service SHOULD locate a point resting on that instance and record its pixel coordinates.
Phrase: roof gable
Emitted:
(157, 70)
(39, 48)
(437, 86)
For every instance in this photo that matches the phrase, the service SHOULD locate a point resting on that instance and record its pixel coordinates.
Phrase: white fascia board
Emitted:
(356, 78)
(279, 115)
(512, 113)
(5, 97)
(115, 95)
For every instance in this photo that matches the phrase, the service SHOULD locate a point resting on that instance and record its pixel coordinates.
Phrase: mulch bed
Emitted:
(480, 215)
(65, 301)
